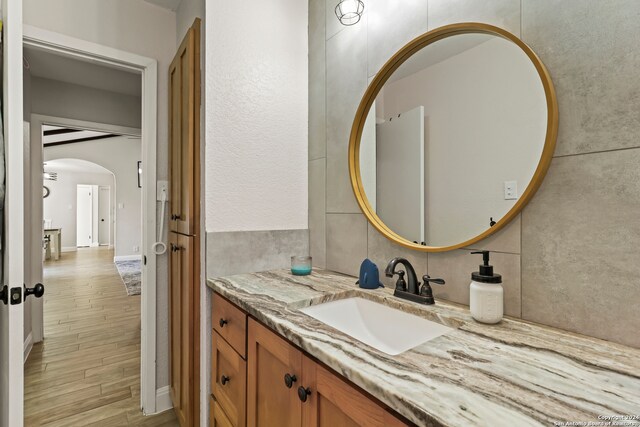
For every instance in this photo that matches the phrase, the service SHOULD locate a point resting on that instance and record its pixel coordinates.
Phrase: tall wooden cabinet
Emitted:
(184, 228)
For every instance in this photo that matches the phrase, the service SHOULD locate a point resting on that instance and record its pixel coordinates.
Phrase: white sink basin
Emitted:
(384, 328)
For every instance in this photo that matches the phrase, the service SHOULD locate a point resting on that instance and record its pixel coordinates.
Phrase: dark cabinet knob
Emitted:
(175, 217)
(37, 291)
(303, 393)
(223, 322)
(289, 380)
(224, 380)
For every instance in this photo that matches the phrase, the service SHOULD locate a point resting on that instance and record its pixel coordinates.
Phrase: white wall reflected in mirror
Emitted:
(483, 124)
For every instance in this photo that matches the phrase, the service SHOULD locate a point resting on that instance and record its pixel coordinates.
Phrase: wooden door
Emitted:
(333, 402)
(184, 133)
(270, 402)
(84, 216)
(182, 328)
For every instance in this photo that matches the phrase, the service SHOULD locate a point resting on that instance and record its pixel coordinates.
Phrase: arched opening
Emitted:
(79, 202)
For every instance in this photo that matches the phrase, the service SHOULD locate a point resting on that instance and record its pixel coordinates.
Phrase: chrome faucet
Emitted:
(411, 289)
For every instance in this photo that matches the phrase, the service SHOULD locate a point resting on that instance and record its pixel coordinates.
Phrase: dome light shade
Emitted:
(349, 12)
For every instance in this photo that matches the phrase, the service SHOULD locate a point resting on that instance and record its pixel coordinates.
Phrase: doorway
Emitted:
(84, 215)
(147, 68)
(93, 215)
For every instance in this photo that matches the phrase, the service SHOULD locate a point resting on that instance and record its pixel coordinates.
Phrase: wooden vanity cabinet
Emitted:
(316, 398)
(284, 387)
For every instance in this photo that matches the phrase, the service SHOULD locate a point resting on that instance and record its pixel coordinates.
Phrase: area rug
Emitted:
(131, 274)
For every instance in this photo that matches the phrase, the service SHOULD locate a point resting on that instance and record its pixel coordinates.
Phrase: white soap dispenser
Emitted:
(486, 294)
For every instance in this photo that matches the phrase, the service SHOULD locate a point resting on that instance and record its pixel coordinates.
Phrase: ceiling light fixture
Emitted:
(349, 12)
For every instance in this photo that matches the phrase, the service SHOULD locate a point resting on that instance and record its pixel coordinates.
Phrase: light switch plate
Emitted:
(511, 190)
(162, 186)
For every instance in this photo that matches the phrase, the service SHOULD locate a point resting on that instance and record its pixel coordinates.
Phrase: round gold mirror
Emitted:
(453, 137)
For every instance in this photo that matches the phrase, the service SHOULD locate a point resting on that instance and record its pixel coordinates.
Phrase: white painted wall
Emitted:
(256, 127)
(187, 11)
(467, 156)
(120, 156)
(59, 99)
(145, 29)
(60, 207)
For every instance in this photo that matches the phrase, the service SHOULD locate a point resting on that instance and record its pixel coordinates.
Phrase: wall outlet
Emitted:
(136, 249)
(162, 187)
(511, 190)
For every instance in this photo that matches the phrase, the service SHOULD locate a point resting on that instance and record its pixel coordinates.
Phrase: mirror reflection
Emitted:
(453, 139)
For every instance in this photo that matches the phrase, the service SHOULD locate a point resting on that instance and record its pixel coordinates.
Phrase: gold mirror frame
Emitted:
(381, 78)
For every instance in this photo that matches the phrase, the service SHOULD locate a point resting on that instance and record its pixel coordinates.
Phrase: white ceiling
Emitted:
(167, 4)
(73, 165)
(70, 70)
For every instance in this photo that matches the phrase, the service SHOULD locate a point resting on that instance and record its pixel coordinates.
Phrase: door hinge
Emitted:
(15, 296)
(144, 259)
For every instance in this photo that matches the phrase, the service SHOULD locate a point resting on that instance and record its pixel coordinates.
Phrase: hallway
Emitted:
(87, 370)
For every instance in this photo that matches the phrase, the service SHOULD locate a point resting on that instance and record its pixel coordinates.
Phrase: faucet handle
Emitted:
(401, 285)
(427, 279)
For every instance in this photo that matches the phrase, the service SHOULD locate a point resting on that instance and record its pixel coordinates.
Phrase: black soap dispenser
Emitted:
(486, 296)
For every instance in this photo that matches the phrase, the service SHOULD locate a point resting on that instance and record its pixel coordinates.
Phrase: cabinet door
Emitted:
(229, 380)
(217, 417)
(270, 401)
(184, 132)
(182, 327)
(332, 402)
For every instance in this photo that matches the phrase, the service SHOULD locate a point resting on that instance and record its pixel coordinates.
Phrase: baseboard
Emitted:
(163, 399)
(126, 258)
(69, 249)
(95, 244)
(28, 345)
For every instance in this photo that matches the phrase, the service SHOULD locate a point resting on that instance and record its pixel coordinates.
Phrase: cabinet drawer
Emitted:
(217, 418)
(231, 323)
(229, 380)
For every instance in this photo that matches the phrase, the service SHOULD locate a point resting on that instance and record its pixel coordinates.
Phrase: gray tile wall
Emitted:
(572, 258)
(236, 252)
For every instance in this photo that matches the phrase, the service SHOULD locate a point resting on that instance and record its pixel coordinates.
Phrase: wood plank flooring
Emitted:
(87, 370)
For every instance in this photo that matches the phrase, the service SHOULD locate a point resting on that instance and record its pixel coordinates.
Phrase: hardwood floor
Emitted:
(87, 370)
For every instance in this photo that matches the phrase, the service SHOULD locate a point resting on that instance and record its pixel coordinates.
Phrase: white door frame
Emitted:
(148, 67)
(12, 316)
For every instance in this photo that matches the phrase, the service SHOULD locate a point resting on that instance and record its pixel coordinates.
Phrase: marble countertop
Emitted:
(511, 374)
